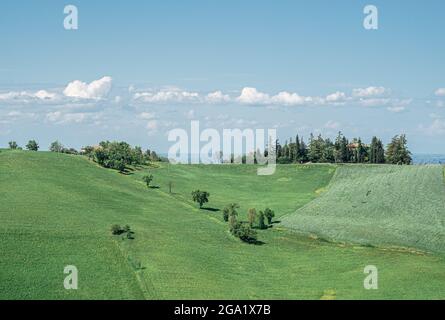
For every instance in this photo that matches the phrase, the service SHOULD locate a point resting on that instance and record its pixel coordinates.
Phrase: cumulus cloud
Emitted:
(336, 97)
(369, 92)
(97, 89)
(27, 97)
(289, 99)
(253, 96)
(440, 92)
(217, 97)
(172, 95)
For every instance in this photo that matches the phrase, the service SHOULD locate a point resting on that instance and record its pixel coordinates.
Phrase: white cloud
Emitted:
(253, 96)
(336, 97)
(217, 97)
(369, 92)
(440, 92)
(26, 97)
(289, 99)
(97, 89)
(376, 102)
(166, 96)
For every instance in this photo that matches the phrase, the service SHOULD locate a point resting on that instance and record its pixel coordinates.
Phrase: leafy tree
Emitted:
(376, 151)
(261, 223)
(200, 197)
(56, 146)
(251, 215)
(243, 232)
(226, 214)
(13, 145)
(137, 156)
(269, 214)
(230, 213)
(397, 151)
(32, 145)
(148, 179)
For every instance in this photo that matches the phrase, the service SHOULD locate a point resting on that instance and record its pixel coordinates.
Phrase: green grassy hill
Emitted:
(57, 210)
(379, 205)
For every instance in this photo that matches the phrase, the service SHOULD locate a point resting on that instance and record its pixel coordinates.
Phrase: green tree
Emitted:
(32, 145)
(376, 151)
(229, 211)
(251, 216)
(56, 146)
(200, 197)
(13, 145)
(269, 214)
(397, 151)
(261, 223)
(148, 179)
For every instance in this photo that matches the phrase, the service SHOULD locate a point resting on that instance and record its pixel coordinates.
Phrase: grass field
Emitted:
(57, 210)
(379, 205)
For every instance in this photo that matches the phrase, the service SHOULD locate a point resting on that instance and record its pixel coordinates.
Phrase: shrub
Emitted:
(251, 215)
(116, 229)
(148, 179)
(261, 223)
(244, 232)
(269, 214)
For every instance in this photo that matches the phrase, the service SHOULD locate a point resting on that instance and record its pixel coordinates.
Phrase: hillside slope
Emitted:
(57, 210)
(379, 205)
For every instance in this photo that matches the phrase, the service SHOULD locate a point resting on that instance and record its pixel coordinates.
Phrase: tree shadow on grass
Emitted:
(155, 187)
(255, 242)
(211, 209)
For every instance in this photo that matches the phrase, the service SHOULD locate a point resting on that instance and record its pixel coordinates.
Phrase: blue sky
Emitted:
(136, 69)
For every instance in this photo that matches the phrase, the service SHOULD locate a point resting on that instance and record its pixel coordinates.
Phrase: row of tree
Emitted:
(324, 150)
(119, 155)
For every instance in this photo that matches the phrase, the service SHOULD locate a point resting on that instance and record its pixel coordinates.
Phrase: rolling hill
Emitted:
(379, 205)
(56, 210)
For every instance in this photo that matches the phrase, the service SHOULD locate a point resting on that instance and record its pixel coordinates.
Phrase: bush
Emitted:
(244, 232)
(147, 179)
(269, 214)
(116, 229)
(261, 223)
